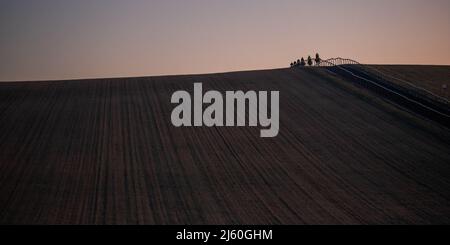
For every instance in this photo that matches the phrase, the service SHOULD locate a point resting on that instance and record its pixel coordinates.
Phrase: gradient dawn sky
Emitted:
(64, 39)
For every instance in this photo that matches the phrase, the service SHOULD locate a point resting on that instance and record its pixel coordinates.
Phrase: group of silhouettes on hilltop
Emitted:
(309, 61)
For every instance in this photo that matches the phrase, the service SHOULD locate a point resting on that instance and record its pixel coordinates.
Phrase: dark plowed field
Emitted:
(431, 78)
(105, 152)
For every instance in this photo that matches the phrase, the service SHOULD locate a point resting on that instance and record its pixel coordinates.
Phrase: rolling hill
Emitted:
(103, 151)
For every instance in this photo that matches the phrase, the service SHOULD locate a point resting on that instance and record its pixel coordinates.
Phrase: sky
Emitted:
(66, 39)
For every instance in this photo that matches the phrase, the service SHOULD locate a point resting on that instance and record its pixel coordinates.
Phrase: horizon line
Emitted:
(190, 74)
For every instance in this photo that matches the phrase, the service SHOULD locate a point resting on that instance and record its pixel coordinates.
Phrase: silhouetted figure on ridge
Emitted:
(302, 62)
(317, 60)
(310, 62)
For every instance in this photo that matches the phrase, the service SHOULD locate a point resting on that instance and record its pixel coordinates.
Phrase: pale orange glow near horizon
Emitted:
(52, 39)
